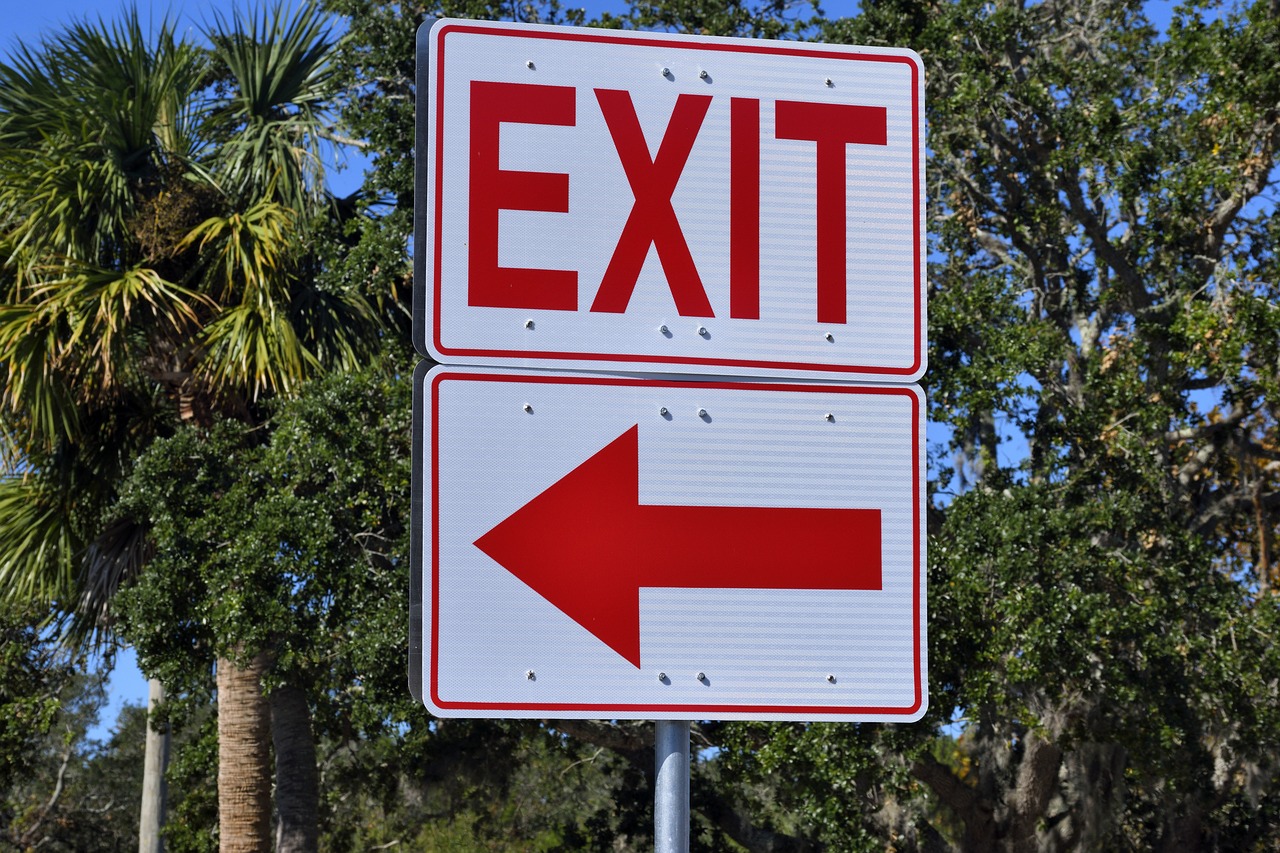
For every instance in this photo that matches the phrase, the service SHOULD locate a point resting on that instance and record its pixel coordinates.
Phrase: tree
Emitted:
(1102, 294)
(72, 794)
(33, 671)
(158, 206)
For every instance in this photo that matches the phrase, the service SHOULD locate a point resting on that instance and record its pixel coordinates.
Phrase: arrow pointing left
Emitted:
(587, 545)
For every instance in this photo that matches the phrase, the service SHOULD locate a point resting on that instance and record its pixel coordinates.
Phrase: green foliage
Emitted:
(32, 673)
(73, 795)
(158, 204)
(78, 795)
(484, 785)
(769, 19)
(311, 561)
(192, 776)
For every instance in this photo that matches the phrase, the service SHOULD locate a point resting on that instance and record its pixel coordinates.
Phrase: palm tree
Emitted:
(157, 201)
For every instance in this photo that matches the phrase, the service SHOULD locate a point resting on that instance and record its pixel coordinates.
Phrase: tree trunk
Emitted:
(1036, 783)
(154, 790)
(297, 789)
(244, 759)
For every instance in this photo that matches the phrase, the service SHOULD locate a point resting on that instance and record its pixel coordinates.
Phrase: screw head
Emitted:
(664, 411)
(829, 337)
(829, 82)
(829, 417)
(702, 413)
(703, 74)
(528, 409)
(662, 676)
(528, 324)
(663, 328)
(702, 676)
(666, 72)
(530, 675)
(529, 64)
(831, 679)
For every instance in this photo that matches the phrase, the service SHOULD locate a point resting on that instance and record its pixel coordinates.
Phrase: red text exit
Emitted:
(652, 222)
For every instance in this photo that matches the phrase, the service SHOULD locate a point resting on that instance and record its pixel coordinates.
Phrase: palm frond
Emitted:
(277, 105)
(157, 204)
(112, 560)
(253, 346)
(85, 123)
(37, 392)
(340, 329)
(37, 543)
(246, 253)
(73, 341)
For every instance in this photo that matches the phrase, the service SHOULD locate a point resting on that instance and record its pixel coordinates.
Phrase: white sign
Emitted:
(616, 547)
(682, 204)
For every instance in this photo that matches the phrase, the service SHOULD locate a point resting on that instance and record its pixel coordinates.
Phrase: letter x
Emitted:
(652, 220)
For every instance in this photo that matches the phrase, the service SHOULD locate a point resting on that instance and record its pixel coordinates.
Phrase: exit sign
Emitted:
(650, 202)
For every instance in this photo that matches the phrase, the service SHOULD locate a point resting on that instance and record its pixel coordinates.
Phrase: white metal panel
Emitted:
(882, 336)
(495, 440)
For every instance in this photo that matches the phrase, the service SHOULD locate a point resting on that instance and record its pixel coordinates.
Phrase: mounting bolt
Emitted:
(528, 409)
(529, 674)
(662, 676)
(831, 679)
(702, 676)
(666, 72)
(830, 82)
(702, 413)
(528, 324)
(529, 64)
(703, 74)
(830, 338)
(828, 416)
(702, 330)
(664, 411)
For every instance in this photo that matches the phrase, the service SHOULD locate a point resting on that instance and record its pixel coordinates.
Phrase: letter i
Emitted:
(744, 208)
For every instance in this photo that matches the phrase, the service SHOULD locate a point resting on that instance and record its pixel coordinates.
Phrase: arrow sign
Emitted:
(593, 571)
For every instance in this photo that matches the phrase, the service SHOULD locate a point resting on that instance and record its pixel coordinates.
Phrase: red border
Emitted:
(764, 47)
(700, 711)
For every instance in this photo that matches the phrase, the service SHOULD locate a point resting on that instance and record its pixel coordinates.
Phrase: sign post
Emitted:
(671, 787)
(671, 463)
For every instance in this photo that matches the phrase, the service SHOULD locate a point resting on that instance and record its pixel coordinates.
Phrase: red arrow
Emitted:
(587, 545)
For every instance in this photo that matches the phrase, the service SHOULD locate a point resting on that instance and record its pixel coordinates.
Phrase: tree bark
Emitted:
(1036, 783)
(244, 760)
(297, 788)
(154, 789)
(974, 812)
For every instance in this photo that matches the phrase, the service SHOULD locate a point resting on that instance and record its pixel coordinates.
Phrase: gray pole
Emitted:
(156, 758)
(671, 787)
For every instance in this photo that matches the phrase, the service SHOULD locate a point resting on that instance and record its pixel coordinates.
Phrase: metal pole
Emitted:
(671, 787)
(154, 789)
